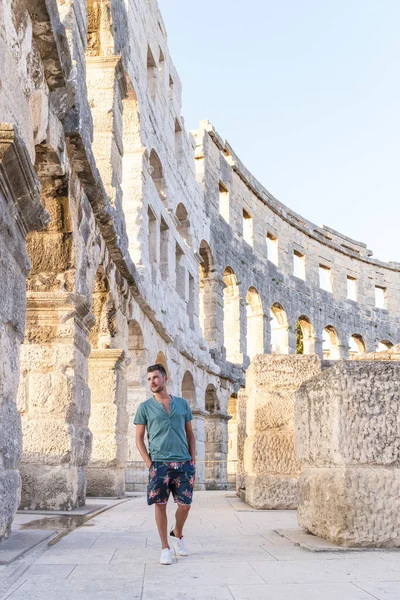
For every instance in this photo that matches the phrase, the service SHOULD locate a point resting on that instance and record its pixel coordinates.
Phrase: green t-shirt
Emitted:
(166, 432)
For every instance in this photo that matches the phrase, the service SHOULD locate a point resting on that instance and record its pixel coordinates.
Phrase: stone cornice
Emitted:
(18, 181)
(107, 358)
(52, 308)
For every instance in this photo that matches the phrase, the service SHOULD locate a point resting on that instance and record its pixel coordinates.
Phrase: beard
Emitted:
(157, 389)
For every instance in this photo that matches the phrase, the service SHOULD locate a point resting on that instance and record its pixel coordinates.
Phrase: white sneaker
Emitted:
(165, 558)
(179, 545)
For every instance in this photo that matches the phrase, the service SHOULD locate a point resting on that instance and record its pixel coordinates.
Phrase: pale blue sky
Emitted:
(307, 92)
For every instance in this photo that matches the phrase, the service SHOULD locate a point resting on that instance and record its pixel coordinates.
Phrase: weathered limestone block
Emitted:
(348, 439)
(271, 470)
(108, 422)
(54, 401)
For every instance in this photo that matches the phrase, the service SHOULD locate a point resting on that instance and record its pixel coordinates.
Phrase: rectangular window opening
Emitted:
(224, 202)
(351, 288)
(325, 278)
(247, 228)
(171, 88)
(272, 248)
(178, 140)
(299, 265)
(380, 297)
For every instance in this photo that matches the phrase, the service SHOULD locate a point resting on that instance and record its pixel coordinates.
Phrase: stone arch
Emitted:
(157, 174)
(184, 223)
(160, 359)
(188, 389)
(231, 316)
(255, 323)
(356, 345)
(384, 346)
(305, 337)
(330, 343)
(279, 329)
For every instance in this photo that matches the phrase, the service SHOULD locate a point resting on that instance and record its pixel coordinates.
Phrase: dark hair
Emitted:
(157, 367)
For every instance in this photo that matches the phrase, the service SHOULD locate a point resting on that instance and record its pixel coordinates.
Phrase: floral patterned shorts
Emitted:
(167, 477)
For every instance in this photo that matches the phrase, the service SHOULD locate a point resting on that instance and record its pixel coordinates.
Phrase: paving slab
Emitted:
(20, 542)
(295, 591)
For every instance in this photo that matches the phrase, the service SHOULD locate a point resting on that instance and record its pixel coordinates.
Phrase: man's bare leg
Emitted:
(162, 523)
(181, 515)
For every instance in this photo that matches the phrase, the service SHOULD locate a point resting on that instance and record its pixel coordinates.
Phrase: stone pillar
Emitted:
(270, 466)
(108, 422)
(216, 450)
(106, 88)
(347, 437)
(309, 345)
(241, 438)
(20, 212)
(54, 401)
(232, 450)
(199, 432)
(213, 294)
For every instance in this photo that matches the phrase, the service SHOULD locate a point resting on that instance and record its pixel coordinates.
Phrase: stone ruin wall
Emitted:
(271, 470)
(347, 437)
(114, 255)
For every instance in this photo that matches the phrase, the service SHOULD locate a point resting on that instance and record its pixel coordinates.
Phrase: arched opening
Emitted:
(356, 345)
(108, 419)
(207, 293)
(279, 330)
(330, 343)
(384, 346)
(231, 317)
(160, 359)
(137, 393)
(188, 389)
(184, 222)
(232, 438)
(255, 323)
(305, 339)
(157, 174)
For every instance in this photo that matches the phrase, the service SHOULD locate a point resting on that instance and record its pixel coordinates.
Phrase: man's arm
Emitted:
(191, 439)
(141, 446)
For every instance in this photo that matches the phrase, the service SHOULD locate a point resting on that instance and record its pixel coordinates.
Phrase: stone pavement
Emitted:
(235, 555)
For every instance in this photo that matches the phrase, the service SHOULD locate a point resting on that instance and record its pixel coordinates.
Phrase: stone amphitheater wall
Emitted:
(114, 255)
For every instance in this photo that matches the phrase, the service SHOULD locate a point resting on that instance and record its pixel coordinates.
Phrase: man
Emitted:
(170, 459)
